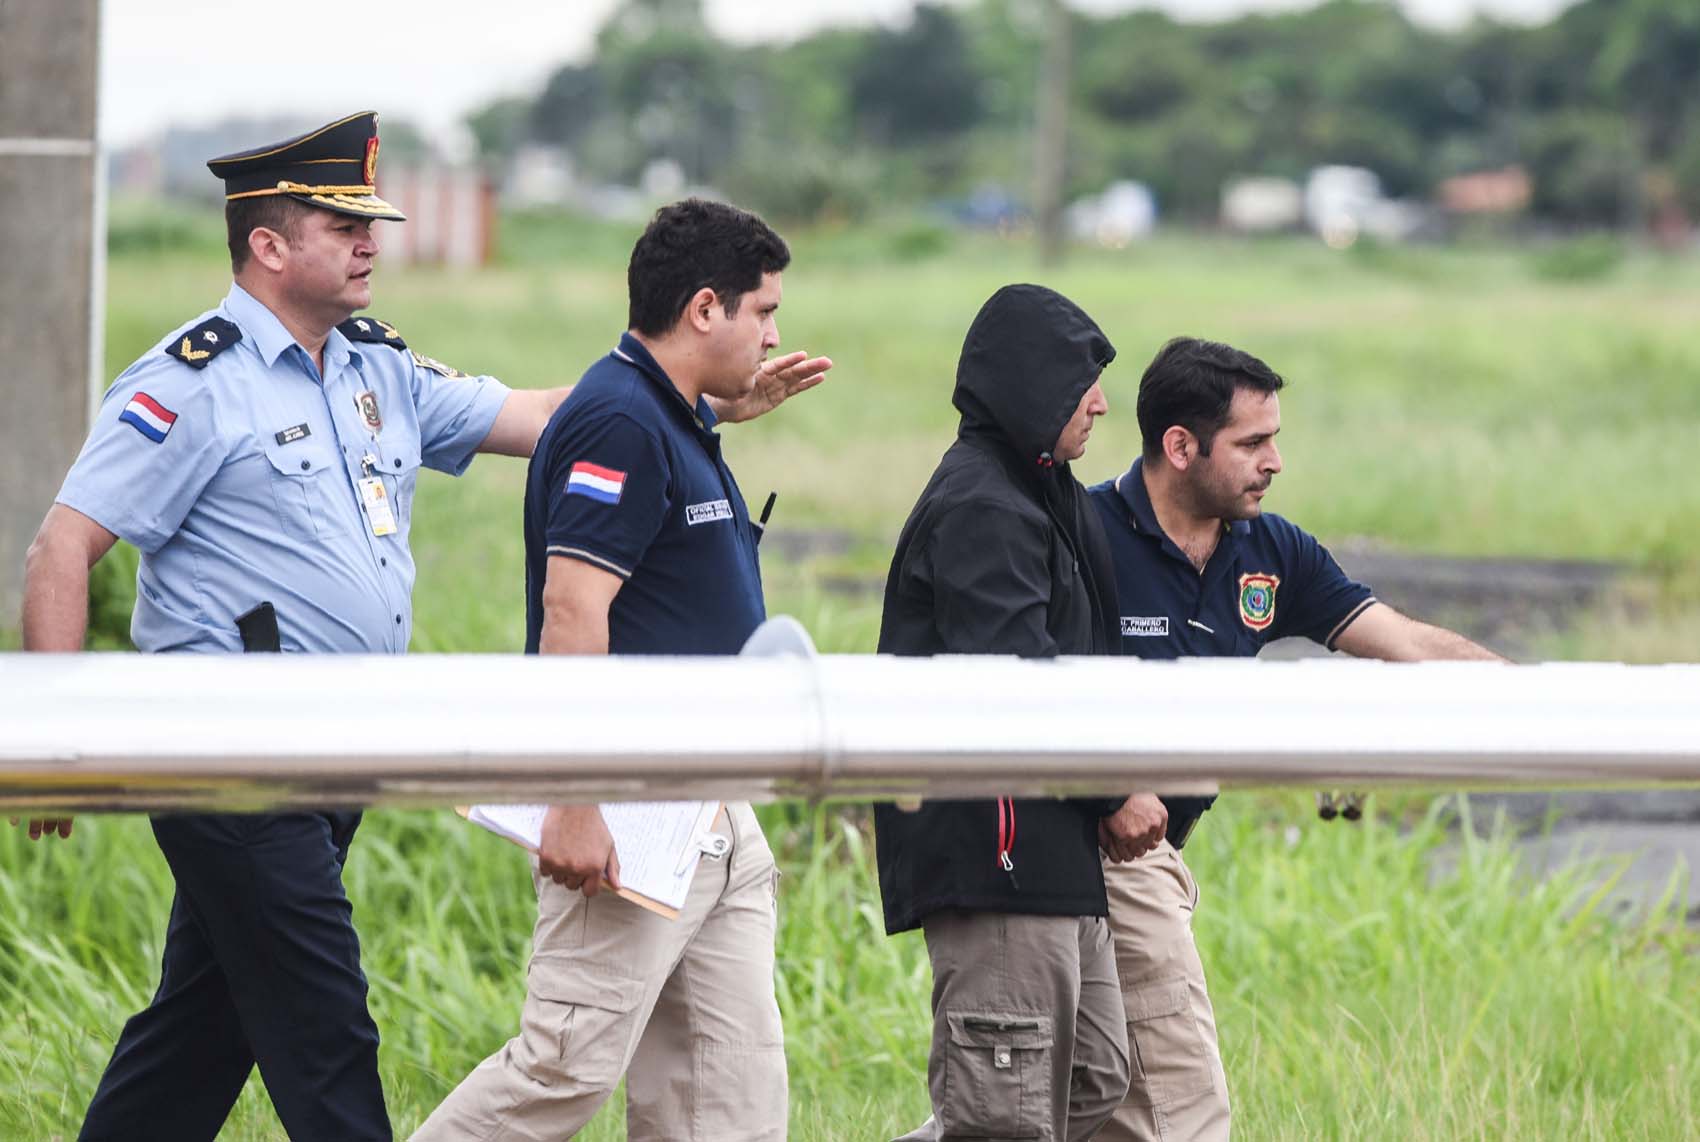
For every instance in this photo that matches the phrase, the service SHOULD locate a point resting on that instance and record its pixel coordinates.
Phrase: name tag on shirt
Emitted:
(707, 512)
(376, 501)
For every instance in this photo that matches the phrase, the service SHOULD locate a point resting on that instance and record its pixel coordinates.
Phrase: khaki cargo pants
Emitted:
(1028, 1040)
(1179, 1092)
(683, 1008)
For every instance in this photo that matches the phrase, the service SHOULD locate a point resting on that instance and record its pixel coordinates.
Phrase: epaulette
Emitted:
(372, 331)
(205, 341)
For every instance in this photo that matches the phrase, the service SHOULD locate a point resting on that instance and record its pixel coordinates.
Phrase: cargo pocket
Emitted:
(739, 1092)
(997, 1076)
(576, 1027)
(1170, 1061)
(300, 478)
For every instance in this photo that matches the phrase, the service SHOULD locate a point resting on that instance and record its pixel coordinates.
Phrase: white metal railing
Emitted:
(107, 731)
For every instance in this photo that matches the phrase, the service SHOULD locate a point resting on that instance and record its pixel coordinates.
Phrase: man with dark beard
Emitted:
(1202, 571)
(1003, 554)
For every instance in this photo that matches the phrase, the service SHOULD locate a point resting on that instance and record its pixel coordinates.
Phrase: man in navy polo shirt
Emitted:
(1201, 571)
(639, 542)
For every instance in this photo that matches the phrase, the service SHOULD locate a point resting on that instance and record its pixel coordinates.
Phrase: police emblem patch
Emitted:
(436, 366)
(367, 403)
(1257, 599)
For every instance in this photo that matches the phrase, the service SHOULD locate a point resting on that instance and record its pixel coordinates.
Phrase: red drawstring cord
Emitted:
(1006, 833)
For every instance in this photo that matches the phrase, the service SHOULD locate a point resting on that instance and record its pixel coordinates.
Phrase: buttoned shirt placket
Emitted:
(344, 368)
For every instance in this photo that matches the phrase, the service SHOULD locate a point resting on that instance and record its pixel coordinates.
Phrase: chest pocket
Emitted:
(305, 481)
(400, 469)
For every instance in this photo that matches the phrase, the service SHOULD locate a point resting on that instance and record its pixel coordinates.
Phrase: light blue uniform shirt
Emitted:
(239, 483)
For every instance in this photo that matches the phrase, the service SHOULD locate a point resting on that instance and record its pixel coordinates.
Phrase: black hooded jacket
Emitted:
(1003, 554)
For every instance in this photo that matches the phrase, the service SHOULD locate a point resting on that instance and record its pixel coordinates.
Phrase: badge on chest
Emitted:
(370, 416)
(1257, 599)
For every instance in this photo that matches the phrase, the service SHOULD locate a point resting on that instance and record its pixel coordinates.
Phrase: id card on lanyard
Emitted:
(375, 499)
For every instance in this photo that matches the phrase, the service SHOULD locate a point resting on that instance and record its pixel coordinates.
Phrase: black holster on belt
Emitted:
(259, 630)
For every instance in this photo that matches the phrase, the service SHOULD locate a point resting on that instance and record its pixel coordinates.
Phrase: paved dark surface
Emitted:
(1648, 859)
(1509, 605)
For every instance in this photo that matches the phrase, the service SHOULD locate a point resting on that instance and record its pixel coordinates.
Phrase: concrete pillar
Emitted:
(49, 260)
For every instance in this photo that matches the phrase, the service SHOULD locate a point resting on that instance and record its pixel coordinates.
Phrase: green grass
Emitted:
(1358, 995)
(1466, 401)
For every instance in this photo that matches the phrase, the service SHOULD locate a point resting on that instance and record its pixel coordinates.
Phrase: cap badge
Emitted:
(371, 160)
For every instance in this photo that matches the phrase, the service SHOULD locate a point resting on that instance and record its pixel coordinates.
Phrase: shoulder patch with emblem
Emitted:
(372, 331)
(436, 366)
(198, 346)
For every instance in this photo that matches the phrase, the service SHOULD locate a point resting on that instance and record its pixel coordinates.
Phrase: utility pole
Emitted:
(1050, 144)
(51, 255)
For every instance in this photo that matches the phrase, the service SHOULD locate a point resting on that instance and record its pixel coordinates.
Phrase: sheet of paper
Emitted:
(657, 842)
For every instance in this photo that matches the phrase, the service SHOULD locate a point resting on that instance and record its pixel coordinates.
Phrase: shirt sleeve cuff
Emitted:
(113, 518)
(586, 555)
(1351, 617)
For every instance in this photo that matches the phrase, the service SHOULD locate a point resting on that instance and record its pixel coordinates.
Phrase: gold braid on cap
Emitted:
(300, 188)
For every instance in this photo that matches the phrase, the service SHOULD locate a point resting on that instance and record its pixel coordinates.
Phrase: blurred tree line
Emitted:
(1601, 106)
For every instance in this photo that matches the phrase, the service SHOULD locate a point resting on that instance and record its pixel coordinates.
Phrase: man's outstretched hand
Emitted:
(47, 826)
(776, 382)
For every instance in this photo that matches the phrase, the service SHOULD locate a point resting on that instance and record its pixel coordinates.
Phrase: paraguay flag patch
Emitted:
(595, 481)
(148, 417)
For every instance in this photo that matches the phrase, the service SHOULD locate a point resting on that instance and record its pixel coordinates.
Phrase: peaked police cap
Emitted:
(334, 168)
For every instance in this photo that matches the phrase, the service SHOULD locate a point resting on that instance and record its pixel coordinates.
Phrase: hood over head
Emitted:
(1029, 357)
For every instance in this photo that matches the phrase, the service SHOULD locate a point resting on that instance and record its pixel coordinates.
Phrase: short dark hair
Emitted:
(242, 216)
(692, 245)
(1192, 383)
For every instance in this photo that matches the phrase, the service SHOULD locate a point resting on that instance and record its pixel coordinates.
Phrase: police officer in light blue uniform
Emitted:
(245, 476)
(263, 458)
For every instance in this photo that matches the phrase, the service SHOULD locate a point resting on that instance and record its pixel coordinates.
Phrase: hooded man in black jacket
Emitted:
(1004, 554)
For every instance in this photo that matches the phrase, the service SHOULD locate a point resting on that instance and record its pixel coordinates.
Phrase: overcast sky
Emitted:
(197, 61)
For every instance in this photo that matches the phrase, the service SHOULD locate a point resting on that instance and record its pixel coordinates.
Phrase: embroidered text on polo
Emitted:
(708, 512)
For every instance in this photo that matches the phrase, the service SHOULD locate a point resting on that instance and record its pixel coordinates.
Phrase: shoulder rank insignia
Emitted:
(436, 366)
(372, 331)
(205, 341)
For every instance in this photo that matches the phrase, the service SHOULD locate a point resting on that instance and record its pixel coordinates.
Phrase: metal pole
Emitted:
(1050, 145)
(112, 731)
(51, 243)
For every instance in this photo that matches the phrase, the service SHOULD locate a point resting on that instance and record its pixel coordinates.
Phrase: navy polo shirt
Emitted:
(630, 478)
(1267, 579)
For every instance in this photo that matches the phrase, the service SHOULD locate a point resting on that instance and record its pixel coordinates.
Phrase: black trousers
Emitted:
(261, 966)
